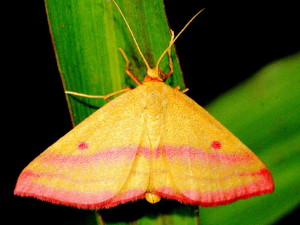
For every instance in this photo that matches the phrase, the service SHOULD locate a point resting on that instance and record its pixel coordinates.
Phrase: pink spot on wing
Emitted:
(82, 146)
(216, 145)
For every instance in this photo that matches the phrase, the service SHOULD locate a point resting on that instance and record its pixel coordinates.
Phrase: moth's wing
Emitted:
(94, 165)
(200, 162)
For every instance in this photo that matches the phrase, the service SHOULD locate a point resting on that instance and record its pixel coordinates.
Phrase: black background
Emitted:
(224, 46)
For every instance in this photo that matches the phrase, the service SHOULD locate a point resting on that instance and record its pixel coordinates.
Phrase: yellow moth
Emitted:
(151, 142)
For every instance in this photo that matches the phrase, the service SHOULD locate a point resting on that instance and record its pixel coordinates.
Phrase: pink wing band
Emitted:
(193, 197)
(182, 153)
(102, 199)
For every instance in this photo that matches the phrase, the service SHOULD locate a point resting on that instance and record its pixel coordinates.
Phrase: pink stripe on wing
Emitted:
(127, 154)
(116, 155)
(264, 185)
(75, 198)
(187, 153)
(28, 174)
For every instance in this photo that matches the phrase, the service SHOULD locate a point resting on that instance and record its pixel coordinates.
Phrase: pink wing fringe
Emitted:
(192, 197)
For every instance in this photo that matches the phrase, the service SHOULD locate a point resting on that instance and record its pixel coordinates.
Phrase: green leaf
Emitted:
(86, 37)
(264, 113)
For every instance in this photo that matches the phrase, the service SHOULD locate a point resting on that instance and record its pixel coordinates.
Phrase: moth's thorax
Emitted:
(155, 75)
(153, 109)
(153, 96)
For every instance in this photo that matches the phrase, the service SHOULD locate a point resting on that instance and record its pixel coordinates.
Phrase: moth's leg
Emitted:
(178, 89)
(98, 96)
(171, 65)
(133, 77)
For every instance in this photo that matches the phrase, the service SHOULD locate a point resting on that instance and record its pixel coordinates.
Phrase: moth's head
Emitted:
(155, 74)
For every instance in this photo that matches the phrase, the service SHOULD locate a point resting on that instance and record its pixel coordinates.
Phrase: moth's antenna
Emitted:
(172, 42)
(137, 45)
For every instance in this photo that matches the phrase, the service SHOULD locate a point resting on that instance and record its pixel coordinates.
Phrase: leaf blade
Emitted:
(264, 112)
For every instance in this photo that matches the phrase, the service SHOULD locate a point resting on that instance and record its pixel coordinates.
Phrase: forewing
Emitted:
(198, 161)
(94, 165)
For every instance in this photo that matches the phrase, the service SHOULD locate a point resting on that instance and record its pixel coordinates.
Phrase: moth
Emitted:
(151, 142)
